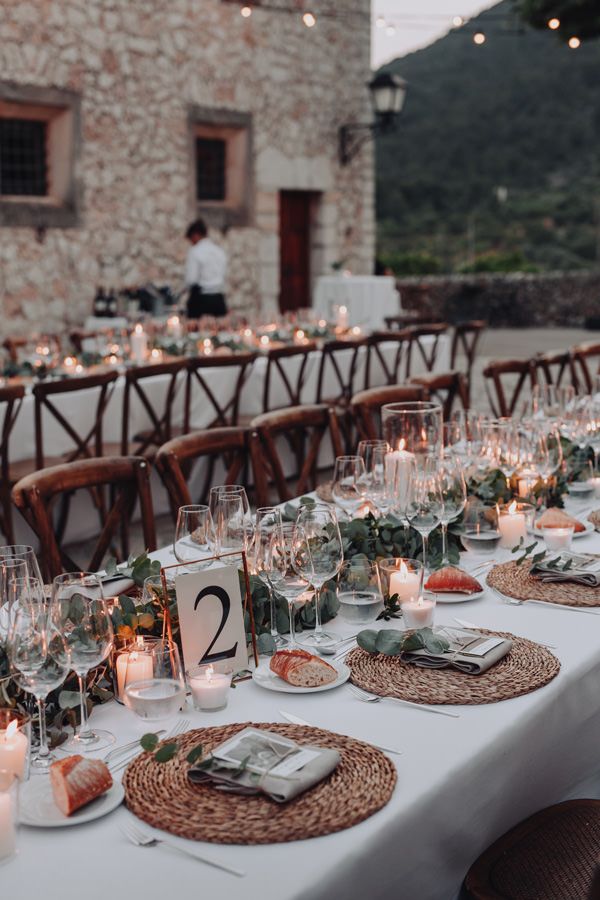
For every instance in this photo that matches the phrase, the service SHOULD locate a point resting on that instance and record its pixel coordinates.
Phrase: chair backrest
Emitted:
(223, 403)
(587, 364)
(128, 479)
(11, 398)
(557, 367)
(388, 356)
(366, 406)
(446, 388)
(14, 344)
(466, 337)
(174, 460)
(160, 419)
(303, 428)
(503, 396)
(99, 389)
(341, 361)
(290, 382)
(424, 345)
(409, 318)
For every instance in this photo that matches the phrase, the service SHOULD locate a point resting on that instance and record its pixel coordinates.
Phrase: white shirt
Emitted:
(206, 266)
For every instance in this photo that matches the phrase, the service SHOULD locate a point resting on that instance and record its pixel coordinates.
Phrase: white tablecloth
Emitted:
(461, 783)
(368, 298)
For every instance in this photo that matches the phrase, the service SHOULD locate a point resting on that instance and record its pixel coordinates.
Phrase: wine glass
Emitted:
(268, 522)
(232, 521)
(400, 469)
(283, 572)
(464, 434)
(80, 612)
(39, 656)
(194, 536)
(13, 575)
(374, 452)
(26, 553)
(318, 559)
(349, 483)
(453, 489)
(425, 506)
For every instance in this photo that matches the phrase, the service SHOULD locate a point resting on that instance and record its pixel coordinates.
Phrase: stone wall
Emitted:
(138, 65)
(555, 299)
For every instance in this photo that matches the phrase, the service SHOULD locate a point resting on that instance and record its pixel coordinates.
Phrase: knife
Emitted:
(296, 720)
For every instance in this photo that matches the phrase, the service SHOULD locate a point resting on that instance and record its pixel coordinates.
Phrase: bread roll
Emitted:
(302, 669)
(451, 579)
(76, 781)
(557, 518)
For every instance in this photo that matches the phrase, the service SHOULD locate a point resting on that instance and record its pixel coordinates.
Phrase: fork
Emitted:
(513, 601)
(179, 728)
(375, 698)
(471, 627)
(143, 839)
(124, 748)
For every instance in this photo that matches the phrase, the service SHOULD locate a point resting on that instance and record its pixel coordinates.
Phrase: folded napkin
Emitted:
(469, 652)
(263, 762)
(584, 569)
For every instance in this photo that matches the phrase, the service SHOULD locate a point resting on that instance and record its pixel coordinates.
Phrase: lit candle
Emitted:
(13, 749)
(265, 341)
(156, 355)
(526, 483)
(207, 346)
(78, 369)
(418, 613)
(398, 467)
(299, 336)
(133, 666)
(8, 824)
(69, 364)
(322, 323)
(139, 343)
(210, 689)
(174, 328)
(512, 526)
(112, 360)
(558, 538)
(342, 317)
(356, 331)
(405, 583)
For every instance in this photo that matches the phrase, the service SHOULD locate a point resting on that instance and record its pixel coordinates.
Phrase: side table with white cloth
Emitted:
(369, 299)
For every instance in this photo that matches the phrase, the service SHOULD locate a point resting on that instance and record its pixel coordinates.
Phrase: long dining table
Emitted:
(461, 783)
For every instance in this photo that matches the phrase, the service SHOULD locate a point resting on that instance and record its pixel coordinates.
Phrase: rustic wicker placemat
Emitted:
(526, 668)
(515, 581)
(161, 794)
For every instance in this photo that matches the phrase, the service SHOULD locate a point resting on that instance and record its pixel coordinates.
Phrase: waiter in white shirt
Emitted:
(205, 271)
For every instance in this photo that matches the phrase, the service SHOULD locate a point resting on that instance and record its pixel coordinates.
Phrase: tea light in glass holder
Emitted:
(526, 482)
(404, 577)
(558, 538)
(14, 742)
(9, 793)
(513, 520)
(133, 663)
(210, 686)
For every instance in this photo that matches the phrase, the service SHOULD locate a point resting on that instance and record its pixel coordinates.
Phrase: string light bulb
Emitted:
(553, 23)
(574, 42)
(380, 22)
(479, 38)
(309, 19)
(390, 31)
(457, 21)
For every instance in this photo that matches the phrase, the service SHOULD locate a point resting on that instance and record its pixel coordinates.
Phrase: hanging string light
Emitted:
(553, 23)
(309, 19)
(574, 42)
(246, 11)
(479, 38)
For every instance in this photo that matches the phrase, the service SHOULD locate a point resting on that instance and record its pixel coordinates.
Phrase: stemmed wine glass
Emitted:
(39, 655)
(268, 524)
(26, 553)
(13, 574)
(194, 536)
(80, 613)
(374, 452)
(350, 483)
(319, 557)
(231, 517)
(425, 506)
(283, 569)
(453, 489)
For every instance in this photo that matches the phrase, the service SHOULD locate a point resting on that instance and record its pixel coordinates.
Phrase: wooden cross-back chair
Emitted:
(388, 355)
(445, 387)
(277, 370)
(175, 459)
(224, 406)
(424, 345)
(303, 428)
(14, 344)
(465, 338)
(502, 398)
(11, 398)
(342, 360)
(403, 320)
(556, 367)
(587, 365)
(146, 442)
(366, 406)
(128, 479)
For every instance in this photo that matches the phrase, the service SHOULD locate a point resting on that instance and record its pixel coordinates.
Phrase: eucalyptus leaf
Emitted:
(69, 699)
(195, 754)
(149, 741)
(166, 752)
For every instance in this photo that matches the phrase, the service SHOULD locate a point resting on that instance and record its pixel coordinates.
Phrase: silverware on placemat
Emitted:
(296, 720)
(142, 839)
(514, 601)
(180, 727)
(375, 698)
(471, 627)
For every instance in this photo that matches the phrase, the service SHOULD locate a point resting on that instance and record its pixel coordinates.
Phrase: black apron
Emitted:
(201, 304)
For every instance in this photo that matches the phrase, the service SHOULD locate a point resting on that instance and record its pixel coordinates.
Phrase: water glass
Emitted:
(425, 506)
(374, 453)
(416, 427)
(268, 522)
(284, 570)
(194, 536)
(159, 693)
(350, 483)
(319, 555)
(359, 591)
(454, 495)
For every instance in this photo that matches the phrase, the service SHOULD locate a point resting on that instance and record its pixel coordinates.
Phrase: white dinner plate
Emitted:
(589, 528)
(38, 809)
(454, 596)
(272, 682)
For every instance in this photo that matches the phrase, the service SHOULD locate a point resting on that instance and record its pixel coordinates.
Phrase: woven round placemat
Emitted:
(162, 795)
(526, 668)
(515, 581)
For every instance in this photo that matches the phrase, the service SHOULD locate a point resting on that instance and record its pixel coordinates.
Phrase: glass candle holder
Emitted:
(161, 694)
(15, 742)
(558, 538)
(132, 661)
(210, 685)
(514, 520)
(9, 814)
(526, 482)
(404, 577)
(415, 427)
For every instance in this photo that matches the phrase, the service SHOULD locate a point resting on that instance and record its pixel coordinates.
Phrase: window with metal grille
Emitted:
(23, 170)
(210, 168)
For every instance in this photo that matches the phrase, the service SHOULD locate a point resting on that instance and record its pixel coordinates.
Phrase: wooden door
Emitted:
(294, 249)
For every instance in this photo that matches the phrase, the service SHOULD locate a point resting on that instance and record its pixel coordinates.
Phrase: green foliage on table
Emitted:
(393, 643)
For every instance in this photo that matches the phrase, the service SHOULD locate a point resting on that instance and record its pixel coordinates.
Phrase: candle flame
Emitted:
(139, 641)
(401, 444)
(133, 656)
(209, 673)
(12, 728)
(512, 508)
(403, 570)
(138, 328)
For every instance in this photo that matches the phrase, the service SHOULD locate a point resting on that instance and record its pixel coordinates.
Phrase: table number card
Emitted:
(211, 617)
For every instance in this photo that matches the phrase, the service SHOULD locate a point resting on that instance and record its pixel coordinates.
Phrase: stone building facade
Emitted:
(130, 85)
